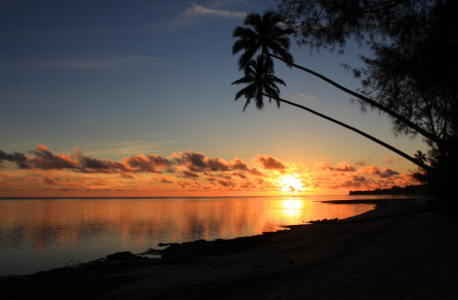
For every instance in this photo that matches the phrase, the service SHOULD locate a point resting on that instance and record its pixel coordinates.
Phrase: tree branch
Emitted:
(397, 151)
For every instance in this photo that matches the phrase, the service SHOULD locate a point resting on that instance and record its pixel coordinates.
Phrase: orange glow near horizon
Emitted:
(183, 174)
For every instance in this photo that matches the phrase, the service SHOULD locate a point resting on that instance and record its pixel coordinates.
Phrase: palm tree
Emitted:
(420, 156)
(267, 35)
(262, 83)
(264, 33)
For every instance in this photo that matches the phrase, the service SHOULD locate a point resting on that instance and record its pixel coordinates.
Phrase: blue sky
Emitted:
(123, 78)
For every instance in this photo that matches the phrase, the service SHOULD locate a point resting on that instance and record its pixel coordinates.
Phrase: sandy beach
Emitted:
(400, 250)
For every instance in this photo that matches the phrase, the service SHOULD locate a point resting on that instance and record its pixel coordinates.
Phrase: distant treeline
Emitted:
(395, 190)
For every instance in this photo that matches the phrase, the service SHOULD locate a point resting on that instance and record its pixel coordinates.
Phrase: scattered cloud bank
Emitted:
(41, 170)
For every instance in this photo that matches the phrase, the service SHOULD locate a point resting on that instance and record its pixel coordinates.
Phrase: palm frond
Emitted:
(262, 33)
(260, 81)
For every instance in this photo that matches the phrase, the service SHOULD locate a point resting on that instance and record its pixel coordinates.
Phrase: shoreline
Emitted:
(289, 264)
(141, 251)
(198, 246)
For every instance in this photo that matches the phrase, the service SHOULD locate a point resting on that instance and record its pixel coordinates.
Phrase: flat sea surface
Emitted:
(41, 234)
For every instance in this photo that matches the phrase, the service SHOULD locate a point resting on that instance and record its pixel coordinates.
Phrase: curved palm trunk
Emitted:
(415, 127)
(397, 151)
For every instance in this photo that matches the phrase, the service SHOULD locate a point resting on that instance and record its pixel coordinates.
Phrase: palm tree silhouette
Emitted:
(261, 83)
(420, 156)
(265, 33)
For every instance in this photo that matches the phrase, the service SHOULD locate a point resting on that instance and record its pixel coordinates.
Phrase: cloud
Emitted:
(386, 173)
(132, 164)
(46, 160)
(358, 178)
(255, 172)
(127, 176)
(324, 166)
(360, 163)
(48, 180)
(198, 12)
(388, 160)
(351, 183)
(184, 183)
(344, 167)
(165, 179)
(187, 174)
(269, 162)
(308, 98)
(226, 183)
(341, 167)
(222, 3)
(141, 162)
(70, 183)
(240, 174)
(161, 162)
(9, 183)
(372, 170)
(99, 181)
(94, 165)
(197, 162)
(238, 164)
(18, 158)
(97, 64)
(248, 185)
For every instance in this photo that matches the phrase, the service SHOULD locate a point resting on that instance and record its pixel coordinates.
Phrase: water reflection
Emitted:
(42, 234)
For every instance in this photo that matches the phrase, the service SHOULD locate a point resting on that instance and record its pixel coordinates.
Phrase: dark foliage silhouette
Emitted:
(412, 70)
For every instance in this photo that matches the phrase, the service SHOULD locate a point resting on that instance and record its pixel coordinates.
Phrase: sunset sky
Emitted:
(134, 98)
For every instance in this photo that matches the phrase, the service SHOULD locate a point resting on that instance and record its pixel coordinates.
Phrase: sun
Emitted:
(290, 183)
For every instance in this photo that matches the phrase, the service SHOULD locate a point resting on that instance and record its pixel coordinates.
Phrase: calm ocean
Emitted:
(40, 234)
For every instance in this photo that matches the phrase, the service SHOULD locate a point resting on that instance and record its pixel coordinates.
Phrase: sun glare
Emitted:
(290, 183)
(291, 204)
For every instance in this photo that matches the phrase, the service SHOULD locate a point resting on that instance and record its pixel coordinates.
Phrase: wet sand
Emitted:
(400, 250)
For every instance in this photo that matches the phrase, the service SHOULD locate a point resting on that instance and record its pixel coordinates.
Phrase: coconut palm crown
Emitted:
(260, 82)
(262, 33)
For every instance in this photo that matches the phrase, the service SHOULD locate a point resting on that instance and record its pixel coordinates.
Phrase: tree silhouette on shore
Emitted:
(412, 68)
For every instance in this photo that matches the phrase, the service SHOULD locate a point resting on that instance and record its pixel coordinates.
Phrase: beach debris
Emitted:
(324, 221)
(123, 256)
(168, 244)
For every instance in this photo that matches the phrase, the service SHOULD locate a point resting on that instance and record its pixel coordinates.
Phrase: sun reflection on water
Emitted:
(292, 208)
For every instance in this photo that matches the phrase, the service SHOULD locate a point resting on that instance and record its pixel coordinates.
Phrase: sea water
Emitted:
(41, 234)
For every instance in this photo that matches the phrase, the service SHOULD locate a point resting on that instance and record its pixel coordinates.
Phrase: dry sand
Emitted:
(397, 251)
